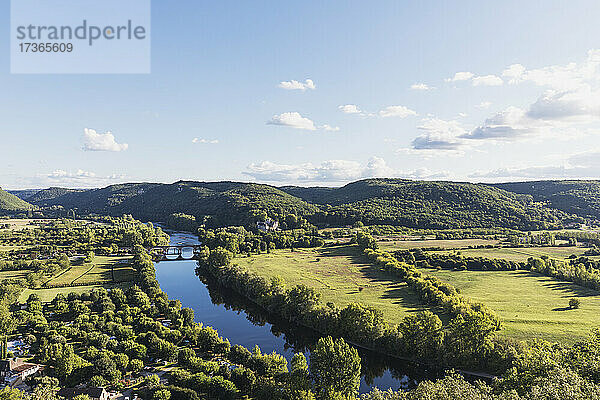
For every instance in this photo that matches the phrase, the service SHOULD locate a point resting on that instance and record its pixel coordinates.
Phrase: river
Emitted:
(238, 320)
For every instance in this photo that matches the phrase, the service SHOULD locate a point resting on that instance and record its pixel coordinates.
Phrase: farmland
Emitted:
(529, 305)
(338, 273)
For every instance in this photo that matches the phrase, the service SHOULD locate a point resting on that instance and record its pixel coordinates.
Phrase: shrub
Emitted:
(574, 303)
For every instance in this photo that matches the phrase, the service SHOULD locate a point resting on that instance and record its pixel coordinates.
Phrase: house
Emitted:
(15, 370)
(267, 225)
(94, 393)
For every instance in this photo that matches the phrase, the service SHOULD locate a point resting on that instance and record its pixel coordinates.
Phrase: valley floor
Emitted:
(531, 306)
(338, 273)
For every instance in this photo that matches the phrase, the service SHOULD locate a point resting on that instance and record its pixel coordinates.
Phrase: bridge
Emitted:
(176, 252)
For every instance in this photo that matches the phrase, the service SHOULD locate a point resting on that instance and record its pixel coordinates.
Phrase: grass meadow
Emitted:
(338, 273)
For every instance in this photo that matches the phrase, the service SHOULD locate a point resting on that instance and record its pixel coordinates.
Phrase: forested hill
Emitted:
(574, 197)
(417, 204)
(428, 205)
(222, 203)
(10, 203)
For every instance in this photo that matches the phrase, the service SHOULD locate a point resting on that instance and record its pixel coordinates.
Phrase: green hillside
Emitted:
(574, 197)
(10, 203)
(423, 204)
(416, 204)
(223, 203)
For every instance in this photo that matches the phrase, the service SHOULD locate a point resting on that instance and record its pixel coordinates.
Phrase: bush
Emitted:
(574, 303)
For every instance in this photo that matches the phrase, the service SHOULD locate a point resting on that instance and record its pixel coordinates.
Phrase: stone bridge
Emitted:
(176, 252)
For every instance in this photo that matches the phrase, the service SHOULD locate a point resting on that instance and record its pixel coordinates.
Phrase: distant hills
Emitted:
(417, 204)
(574, 197)
(221, 203)
(10, 203)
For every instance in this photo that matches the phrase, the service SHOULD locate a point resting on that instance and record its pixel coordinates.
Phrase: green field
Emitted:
(49, 294)
(338, 273)
(97, 273)
(391, 245)
(530, 305)
(13, 275)
(523, 253)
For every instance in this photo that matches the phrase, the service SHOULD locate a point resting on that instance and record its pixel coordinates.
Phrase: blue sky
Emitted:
(214, 106)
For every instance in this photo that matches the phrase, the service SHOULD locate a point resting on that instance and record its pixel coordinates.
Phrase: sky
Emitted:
(320, 93)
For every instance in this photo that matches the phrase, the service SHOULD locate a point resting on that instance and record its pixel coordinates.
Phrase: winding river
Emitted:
(243, 323)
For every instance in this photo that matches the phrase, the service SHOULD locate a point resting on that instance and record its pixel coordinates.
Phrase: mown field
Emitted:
(338, 273)
(47, 295)
(98, 272)
(530, 305)
(391, 245)
(523, 253)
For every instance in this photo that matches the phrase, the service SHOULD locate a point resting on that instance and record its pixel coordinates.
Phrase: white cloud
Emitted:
(396, 111)
(509, 124)
(71, 179)
(439, 135)
(296, 85)
(293, 120)
(389, 111)
(333, 171)
(581, 104)
(93, 141)
(487, 80)
(483, 105)
(205, 141)
(560, 77)
(350, 109)
(330, 128)
(421, 86)
(461, 76)
(514, 73)
(576, 166)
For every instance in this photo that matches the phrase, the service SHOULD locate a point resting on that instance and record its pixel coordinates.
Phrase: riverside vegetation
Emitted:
(84, 296)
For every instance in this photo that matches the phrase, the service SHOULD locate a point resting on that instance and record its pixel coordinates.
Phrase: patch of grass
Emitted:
(341, 274)
(97, 273)
(530, 305)
(523, 253)
(392, 245)
(13, 275)
(49, 294)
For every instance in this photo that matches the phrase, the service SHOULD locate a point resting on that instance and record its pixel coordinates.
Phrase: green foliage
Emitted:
(335, 366)
(574, 303)
(10, 203)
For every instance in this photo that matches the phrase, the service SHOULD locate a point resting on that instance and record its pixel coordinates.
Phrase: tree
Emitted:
(574, 303)
(422, 334)
(299, 378)
(161, 394)
(335, 366)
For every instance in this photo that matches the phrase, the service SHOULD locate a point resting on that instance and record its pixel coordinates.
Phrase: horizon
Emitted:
(298, 185)
(448, 92)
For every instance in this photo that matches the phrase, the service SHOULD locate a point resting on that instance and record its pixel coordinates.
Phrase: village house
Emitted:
(14, 371)
(268, 225)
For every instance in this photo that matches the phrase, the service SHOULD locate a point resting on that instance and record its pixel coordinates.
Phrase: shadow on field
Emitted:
(562, 309)
(353, 252)
(569, 289)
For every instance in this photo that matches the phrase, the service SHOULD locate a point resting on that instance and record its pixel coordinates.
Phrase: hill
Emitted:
(416, 204)
(10, 203)
(574, 197)
(422, 204)
(222, 203)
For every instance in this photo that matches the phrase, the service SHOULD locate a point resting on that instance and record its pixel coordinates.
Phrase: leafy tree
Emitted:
(335, 366)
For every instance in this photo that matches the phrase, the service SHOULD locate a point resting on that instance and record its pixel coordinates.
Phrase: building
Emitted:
(14, 371)
(94, 393)
(268, 225)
